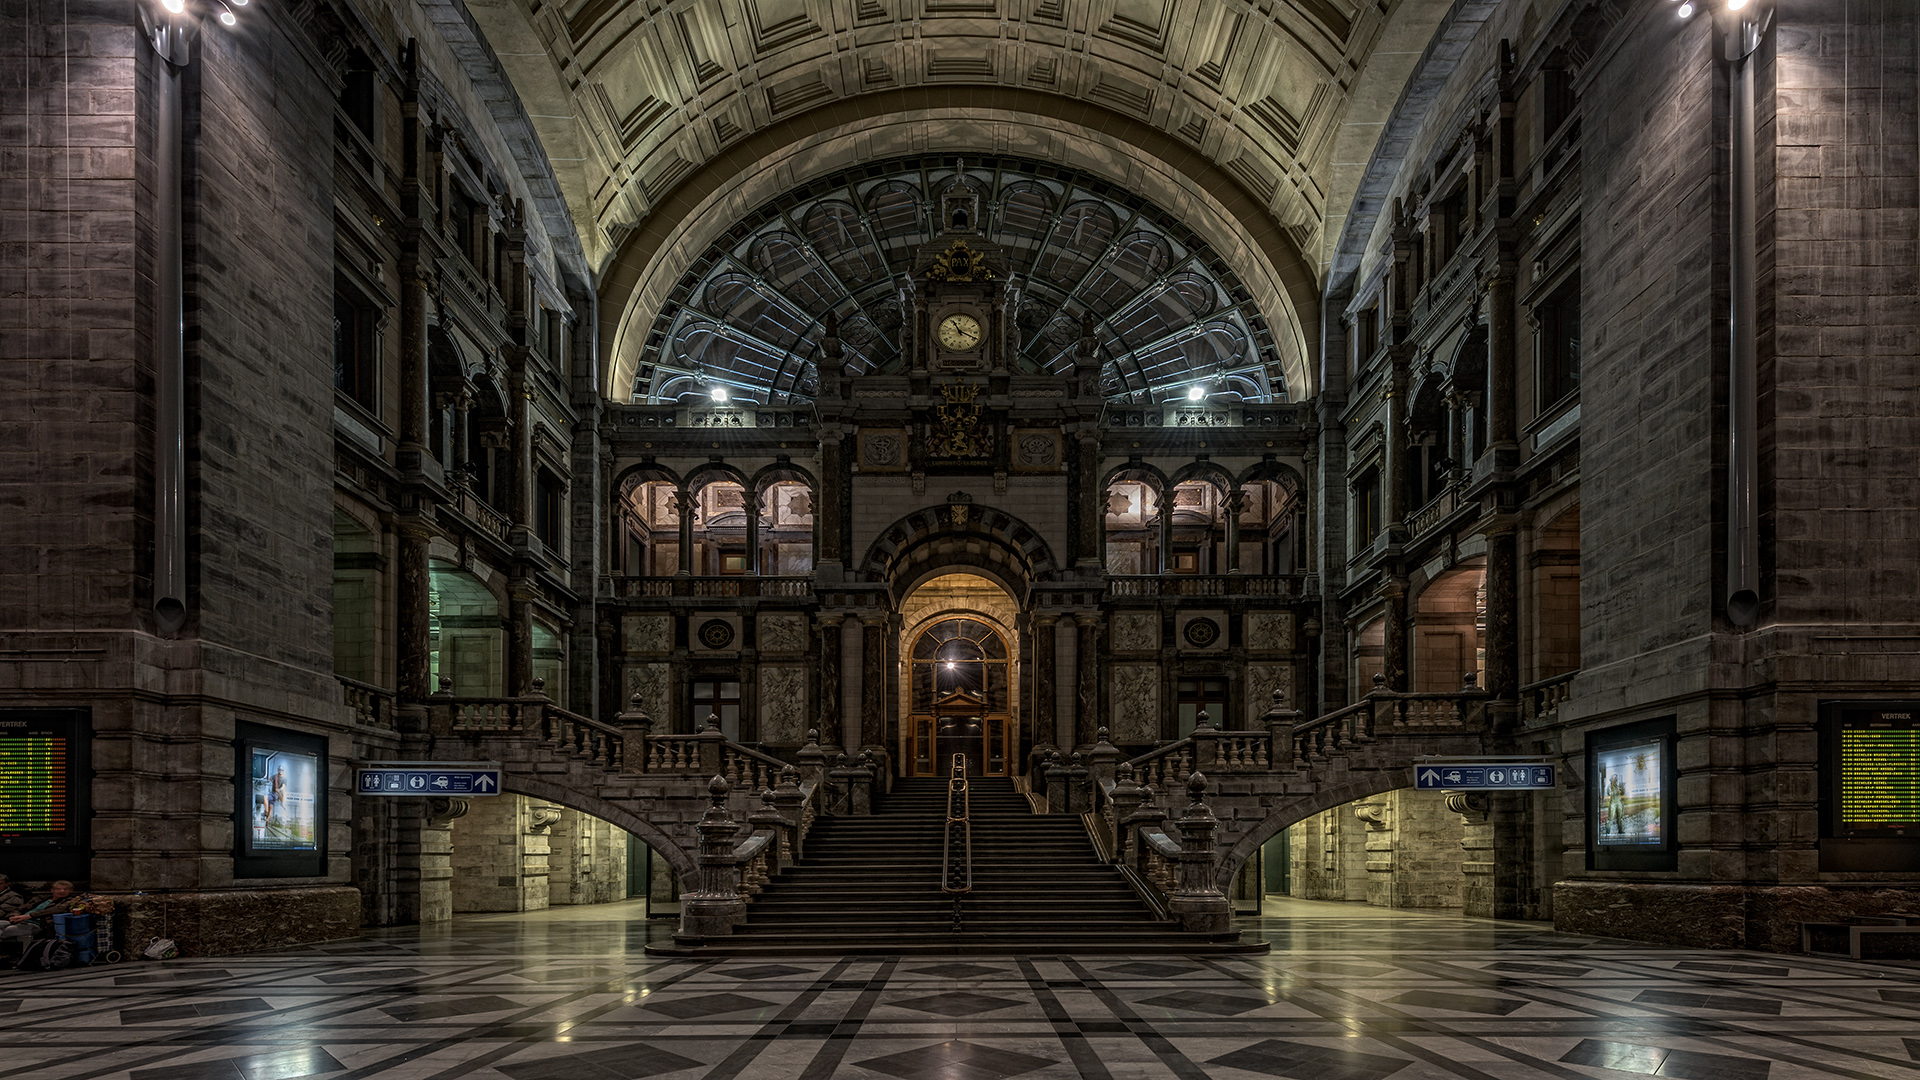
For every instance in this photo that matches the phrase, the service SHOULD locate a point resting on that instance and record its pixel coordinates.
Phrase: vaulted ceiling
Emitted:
(667, 121)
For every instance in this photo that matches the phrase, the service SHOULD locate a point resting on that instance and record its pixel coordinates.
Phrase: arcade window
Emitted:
(1366, 509)
(1194, 695)
(713, 697)
(1559, 367)
(549, 504)
(1184, 560)
(355, 364)
(733, 560)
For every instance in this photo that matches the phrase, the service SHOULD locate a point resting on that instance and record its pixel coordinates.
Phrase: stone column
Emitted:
(1163, 536)
(415, 643)
(1087, 715)
(1236, 505)
(520, 596)
(1066, 655)
(522, 450)
(1502, 427)
(1394, 497)
(684, 504)
(753, 531)
(1091, 500)
(828, 722)
(853, 678)
(417, 281)
(1503, 615)
(826, 507)
(1044, 694)
(1394, 664)
(873, 681)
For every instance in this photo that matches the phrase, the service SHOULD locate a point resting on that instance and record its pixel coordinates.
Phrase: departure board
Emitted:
(38, 776)
(1879, 781)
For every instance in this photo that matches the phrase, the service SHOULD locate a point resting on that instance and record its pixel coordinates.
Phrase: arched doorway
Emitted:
(961, 699)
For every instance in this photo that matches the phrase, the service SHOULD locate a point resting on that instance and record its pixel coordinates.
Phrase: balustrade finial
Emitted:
(1279, 698)
(1379, 680)
(1100, 736)
(539, 685)
(1196, 787)
(813, 736)
(1470, 681)
(446, 684)
(713, 721)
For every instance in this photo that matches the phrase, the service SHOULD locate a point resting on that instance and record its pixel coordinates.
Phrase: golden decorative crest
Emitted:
(959, 263)
(959, 429)
(957, 512)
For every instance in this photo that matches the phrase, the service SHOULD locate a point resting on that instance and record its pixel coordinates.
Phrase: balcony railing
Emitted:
(1541, 701)
(1274, 585)
(1422, 521)
(486, 518)
(727, 586)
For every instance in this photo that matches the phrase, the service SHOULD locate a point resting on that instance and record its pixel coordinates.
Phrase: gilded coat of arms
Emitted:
(959, 263)
(960, 429)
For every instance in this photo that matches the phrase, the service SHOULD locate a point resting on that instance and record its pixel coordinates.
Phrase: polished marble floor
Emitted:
(1349, 993)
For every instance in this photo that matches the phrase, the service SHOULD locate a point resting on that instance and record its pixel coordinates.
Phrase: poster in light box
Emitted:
(285, 800)
(1630, 814)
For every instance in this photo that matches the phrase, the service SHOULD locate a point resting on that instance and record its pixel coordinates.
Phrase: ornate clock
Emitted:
(959, 332)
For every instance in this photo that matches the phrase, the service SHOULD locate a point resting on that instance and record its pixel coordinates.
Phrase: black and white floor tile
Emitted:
(1349, 993)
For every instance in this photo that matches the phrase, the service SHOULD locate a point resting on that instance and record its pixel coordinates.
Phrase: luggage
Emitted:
(46, 954)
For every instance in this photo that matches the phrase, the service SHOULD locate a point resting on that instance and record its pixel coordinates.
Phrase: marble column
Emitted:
(1503, 616)
(1236, 505)
(752, 500)
(1091, 500)
(828, 720)
(1087, 715)
(1044, 657)
(414, 662)
(1502, 425)
(684, 503)
(826, 509)
(1395, 662)
(873, 680)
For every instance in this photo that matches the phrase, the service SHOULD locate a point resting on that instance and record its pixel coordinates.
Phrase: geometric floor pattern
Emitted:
(1348, 993)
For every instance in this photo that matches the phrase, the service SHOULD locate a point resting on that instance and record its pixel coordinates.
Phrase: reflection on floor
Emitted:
(1349, 993)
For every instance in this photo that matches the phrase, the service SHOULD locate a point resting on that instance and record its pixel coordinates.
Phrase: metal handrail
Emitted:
(956, 877)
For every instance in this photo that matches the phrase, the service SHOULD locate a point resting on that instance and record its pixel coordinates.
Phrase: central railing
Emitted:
(726, 586)
(956, 848)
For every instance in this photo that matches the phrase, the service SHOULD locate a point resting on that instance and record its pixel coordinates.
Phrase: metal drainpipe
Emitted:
(171, 47)
(1743, 526)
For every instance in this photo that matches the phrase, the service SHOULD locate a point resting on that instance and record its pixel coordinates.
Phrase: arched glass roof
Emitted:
(1168, 314)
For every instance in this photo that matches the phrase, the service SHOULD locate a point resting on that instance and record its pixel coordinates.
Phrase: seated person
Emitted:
(37, 920)
(13, 899)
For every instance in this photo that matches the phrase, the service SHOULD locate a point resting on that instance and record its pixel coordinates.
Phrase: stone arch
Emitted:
(778, 471)
(1204, 470)
(1140, 472)
(989, 541)
(715, 472)
(642, 473)
(533, 787)
(1282, 279)
(1274, 471)
(1358, 784)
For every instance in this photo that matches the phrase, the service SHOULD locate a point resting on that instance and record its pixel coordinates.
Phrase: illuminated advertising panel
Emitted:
(1630, 797)
(280, 802)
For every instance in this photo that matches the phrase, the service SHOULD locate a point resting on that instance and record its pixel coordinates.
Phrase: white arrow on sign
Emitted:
(1429, 777)
(483, 783)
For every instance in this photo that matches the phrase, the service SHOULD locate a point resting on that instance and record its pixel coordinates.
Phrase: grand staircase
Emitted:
(871, 885)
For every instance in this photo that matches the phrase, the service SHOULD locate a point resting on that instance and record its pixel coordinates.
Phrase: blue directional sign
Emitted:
(430, 778)
(1485, 776)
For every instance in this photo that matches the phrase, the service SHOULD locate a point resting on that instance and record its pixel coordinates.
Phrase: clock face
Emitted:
(958, 332)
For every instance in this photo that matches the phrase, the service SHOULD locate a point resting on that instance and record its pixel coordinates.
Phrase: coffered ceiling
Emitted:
(657, 109)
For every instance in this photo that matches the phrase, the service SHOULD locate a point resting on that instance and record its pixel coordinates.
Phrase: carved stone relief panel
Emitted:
(1135, 631)
(783, 634)
(1136, 703)
(883, 451)
(1270, 631)
(783, 703)
(652, 682)
(1262, 681)
(1038, 450)
(647, 633)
